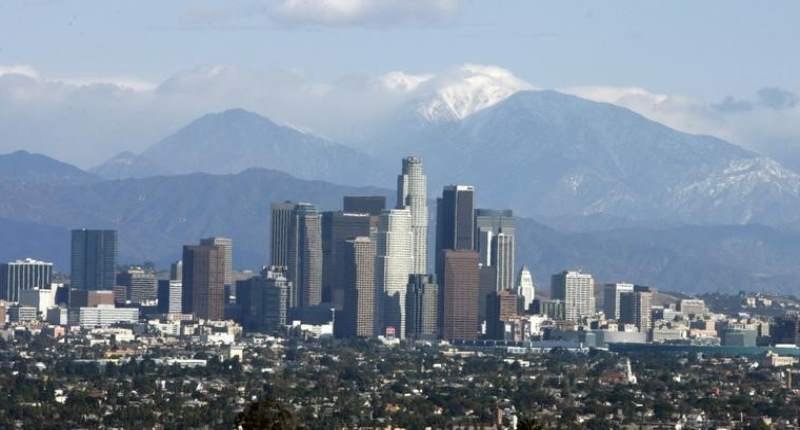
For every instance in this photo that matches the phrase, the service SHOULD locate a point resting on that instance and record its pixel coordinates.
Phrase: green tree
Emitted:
(266, 414)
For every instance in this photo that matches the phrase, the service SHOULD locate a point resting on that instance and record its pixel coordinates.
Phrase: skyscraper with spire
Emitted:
(412, 194)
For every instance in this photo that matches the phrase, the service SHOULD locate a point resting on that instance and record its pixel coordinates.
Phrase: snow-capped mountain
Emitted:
(457, 94)
(549, 154)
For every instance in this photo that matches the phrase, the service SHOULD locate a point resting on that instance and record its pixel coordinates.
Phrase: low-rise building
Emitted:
(102, 315)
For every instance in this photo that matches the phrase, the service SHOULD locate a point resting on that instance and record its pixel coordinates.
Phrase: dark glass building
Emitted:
(372, 205)
(93, 259)
(422, 308)
(338, 227)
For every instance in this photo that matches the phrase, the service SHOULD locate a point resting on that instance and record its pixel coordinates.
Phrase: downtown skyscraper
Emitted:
(457, 263)
(412, 194)
(454, 221)
(358, 261)
(227, 247)
(296, 244)
(393, 265)
(279, 233)
(93, 259)
(494, 241)
(337, 228)
(203, 292)
(305, 256)
(576, 290)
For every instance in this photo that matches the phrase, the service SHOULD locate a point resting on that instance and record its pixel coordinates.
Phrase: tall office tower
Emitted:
(337, 227)
(2, 313)
(494, 240)
(282, 217)
(305, 255)
(459, 304)
(204, 281)
(227, 247)
(526, 290)
(169, 296)
(372, 205)
(358, 263)
(140, 285)
(634, 307)
(412, 193)
(21, 275)
(611, 296)
(454, 222)
(454, 218)
(501, 306)
(503, 260)
(576, 290)
(487, 284)
(392, 266)
(176, 271)
(422, 308)
(94, 259)
(489, 223)
(276, 299)
(264, 300)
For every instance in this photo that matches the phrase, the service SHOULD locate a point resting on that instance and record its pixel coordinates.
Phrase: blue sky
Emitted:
(674, 61)
(705, 48)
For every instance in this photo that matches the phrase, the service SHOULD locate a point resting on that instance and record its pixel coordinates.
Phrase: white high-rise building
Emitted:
(576, 290)
(21, 275)
(412, 194)
(494, 241)
(525, 287)
(503, 260)
(393, 264)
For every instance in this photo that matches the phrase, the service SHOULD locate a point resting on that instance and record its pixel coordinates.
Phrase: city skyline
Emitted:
(399, 214)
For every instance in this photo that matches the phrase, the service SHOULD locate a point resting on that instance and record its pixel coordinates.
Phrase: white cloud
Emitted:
(122, 82)
(363, 12)
(87, 120)
(19, 69)
(402, 81)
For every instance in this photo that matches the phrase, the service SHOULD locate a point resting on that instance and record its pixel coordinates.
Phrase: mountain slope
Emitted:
(155, 216)
(686, 259)
(235, 140)
(26, 168)
(550, 154)
(128, 165)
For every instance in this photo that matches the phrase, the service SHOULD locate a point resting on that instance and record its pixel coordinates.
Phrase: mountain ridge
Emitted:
(234, 140)
(549, 154)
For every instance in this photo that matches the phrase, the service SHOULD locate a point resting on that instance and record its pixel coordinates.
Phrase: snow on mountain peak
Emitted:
(455, 95)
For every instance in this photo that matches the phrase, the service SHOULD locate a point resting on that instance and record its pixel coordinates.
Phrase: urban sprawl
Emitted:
(347, 327)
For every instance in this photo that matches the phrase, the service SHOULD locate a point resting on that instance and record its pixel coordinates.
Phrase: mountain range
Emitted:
(547, 154)
(155, 216)
(622, 196)
(543, 153)
(235, 140)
